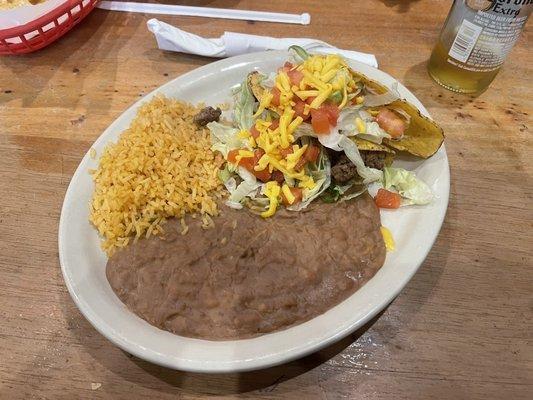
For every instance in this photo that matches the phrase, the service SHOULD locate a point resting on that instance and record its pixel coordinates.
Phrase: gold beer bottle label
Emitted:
(483, 5)
(475, 40)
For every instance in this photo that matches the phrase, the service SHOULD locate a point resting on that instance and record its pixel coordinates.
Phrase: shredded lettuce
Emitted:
(247, 188)
(372, 131)
(342, 73)
(248, 185)
(257, 201)
(346, 126)
(357, 91)
(376, 100)
(331, 140)
(233, 204)
(321, 173)
(354, 194)
(225, 138)
(230, 184)
(224, 175)
(333, 193)
(346, 120)
(412, 189)
(244, 106)
(336, 97)
(339, 141)
(299, 53)
(268, 82)
(246, 175)
(352, 152)
(344, 192)
(242, 190)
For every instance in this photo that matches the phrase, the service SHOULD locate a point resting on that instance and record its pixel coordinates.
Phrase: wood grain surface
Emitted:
(461, 329)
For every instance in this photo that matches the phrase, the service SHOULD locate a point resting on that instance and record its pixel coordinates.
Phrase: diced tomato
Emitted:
(311, 153)
(301, 163)
(250, 162)
(263, 176)
(258, 153)
(309, 100)
(295, 76)
(324, 117)
(320, 121)
(296, 192)
(299, 109)
(391, 123)
(274, 124)
(254, 132)
(278, 176)
(333, 112)
(232, 156)
(285, 152)
(386, 199)
(286, 67)
(276, 93)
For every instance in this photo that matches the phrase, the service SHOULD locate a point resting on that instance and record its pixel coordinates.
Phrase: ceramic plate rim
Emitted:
(129, 344)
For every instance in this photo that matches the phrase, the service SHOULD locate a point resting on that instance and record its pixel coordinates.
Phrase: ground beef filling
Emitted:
(207, 115)
(344, 170)
(249, 276)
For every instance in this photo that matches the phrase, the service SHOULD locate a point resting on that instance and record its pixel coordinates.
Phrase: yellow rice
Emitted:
(161, 167)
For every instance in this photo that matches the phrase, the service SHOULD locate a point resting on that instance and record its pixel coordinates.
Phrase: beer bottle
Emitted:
(474, 42)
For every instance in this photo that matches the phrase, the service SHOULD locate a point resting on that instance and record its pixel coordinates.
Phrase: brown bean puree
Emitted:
(248, 276)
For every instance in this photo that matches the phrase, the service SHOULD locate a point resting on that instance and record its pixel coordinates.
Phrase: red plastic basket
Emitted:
(46, 29)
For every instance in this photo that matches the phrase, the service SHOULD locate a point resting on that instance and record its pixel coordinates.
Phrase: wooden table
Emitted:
(461, 329)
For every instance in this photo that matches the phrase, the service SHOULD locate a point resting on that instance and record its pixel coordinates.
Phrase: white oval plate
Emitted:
(83, 262)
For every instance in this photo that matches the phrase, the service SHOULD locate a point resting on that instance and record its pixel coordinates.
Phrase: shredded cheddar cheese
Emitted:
(361, 127)
(272, 191)
(320, 79)
(244, 154)
(388, 239)
(288, 194)
(265, 101)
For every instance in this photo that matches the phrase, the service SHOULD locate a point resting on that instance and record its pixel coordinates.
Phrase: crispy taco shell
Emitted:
(254, 81)
(422, 138)
(363, 144)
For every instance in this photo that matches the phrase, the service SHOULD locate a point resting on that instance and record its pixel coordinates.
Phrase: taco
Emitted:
(422, 137)
(407, 128)
(316, 129)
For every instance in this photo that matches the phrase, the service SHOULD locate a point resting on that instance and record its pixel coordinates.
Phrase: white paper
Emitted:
(22, 15)
(231, 44)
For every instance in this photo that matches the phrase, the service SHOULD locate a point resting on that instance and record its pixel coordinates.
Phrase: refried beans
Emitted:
(247, 275)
